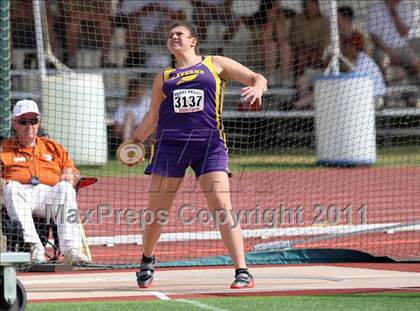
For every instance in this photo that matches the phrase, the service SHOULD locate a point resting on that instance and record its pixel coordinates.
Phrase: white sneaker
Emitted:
(75, 257)
(37, 254)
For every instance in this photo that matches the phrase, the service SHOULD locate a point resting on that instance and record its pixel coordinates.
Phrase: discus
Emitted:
(130, 153)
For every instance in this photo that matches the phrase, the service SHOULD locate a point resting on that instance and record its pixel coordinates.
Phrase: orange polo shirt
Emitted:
(46, 161)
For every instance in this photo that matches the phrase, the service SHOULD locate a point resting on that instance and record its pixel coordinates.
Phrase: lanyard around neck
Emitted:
(33, 169)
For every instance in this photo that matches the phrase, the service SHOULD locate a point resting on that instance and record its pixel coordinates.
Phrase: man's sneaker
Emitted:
(243, 279)
(37, 254)
(145, 275)
(75, 257)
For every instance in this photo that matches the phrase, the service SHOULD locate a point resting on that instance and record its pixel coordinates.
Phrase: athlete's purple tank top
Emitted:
(193, 104)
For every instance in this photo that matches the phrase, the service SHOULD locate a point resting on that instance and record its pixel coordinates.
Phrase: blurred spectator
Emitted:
(268, 26)
(309, 37)
(391, 24)
(206, 12)
(304, 88)
(352, 49)
(77, 12)
(132, 110)
(22, 24)
(345, 17)
(346, 27)
(147, 20)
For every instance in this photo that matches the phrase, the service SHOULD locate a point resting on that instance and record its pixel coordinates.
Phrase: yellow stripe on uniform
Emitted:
(220, 91)
(152, 152)
(166, 73)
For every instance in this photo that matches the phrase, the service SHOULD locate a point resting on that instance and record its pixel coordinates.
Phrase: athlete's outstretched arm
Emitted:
(148, 124)
(255, 83)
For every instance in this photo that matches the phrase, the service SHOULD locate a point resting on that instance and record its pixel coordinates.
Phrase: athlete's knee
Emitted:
(220, 202)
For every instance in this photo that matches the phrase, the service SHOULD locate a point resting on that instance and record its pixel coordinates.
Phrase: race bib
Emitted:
(188, 100)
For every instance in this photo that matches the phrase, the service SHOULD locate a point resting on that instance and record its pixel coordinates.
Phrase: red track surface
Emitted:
(387, 195)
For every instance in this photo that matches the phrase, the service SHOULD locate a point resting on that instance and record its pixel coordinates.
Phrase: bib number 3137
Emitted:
(188, 100)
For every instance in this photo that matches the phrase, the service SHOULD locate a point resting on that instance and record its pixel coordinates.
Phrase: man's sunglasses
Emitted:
(28, 121)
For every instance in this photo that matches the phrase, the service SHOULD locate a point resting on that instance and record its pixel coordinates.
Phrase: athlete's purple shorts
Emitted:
(172, 158)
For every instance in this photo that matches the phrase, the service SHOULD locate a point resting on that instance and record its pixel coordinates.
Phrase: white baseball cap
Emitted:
(25, 106)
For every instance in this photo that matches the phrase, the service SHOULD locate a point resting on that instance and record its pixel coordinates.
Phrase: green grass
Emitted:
(408, 156)
(112, 168)
(372, 302)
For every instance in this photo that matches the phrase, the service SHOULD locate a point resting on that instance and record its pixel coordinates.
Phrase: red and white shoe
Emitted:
(243, 279)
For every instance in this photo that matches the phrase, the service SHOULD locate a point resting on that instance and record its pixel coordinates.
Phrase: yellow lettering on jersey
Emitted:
(187, 73)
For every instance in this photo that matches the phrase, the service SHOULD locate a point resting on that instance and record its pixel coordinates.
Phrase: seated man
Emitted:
(208, 11)
(309, 38)
(78, 11)
(268, 26)
(392, 25)
(352, 47)
(38, 178)
(147, 21)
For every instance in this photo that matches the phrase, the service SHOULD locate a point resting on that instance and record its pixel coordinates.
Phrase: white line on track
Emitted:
(195, 303)
(201, 305)
(257, 233)
(161, 296)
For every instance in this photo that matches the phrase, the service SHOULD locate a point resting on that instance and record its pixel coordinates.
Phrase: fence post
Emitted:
(4, 69)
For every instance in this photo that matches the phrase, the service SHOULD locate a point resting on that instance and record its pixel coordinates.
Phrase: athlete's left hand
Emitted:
(253, 94)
